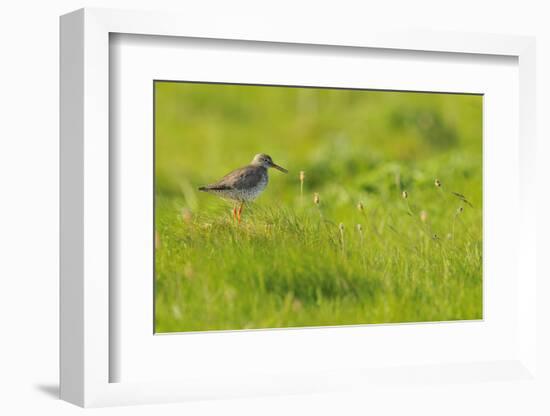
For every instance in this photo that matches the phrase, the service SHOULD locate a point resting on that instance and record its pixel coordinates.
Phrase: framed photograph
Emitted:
(264, 212)
(365, 226)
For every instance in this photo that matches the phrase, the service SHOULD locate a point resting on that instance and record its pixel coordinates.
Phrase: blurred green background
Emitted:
(291, 263)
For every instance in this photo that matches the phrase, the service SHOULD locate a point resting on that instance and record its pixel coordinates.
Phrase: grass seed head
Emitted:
(186, 215)
(316, 199)
(437, 183)
(302, 176)
(359, 228)
(341, 227)
(423, 216)
(360, 206)
(405, 194)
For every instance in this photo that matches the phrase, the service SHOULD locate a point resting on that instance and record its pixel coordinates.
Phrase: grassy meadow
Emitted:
(385, 227)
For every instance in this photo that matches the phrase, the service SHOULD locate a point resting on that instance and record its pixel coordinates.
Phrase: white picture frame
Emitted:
(86, 353)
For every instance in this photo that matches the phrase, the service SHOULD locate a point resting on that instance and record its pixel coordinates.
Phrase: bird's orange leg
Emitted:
(234, 213)
(240, 212)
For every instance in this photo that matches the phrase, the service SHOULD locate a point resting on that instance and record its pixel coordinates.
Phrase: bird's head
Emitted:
(264, 160)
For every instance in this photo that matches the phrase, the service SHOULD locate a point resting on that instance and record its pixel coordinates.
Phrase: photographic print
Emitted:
(289, 206)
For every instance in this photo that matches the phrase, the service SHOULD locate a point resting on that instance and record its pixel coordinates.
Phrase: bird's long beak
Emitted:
(273, 165)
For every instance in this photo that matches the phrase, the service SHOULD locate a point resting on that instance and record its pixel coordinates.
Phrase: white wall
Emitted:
(29, 196)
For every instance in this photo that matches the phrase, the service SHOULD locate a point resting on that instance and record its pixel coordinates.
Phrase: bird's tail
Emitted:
(214, 187)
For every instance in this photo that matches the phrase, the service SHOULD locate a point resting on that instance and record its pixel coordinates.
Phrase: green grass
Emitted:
(290, 263)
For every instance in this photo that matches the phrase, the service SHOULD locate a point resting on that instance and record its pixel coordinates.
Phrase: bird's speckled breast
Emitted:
(254, 192)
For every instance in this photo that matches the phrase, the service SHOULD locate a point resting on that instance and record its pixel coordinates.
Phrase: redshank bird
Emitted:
(244, 184)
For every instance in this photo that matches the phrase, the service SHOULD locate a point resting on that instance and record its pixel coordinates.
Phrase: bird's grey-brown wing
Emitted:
(242, 178)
